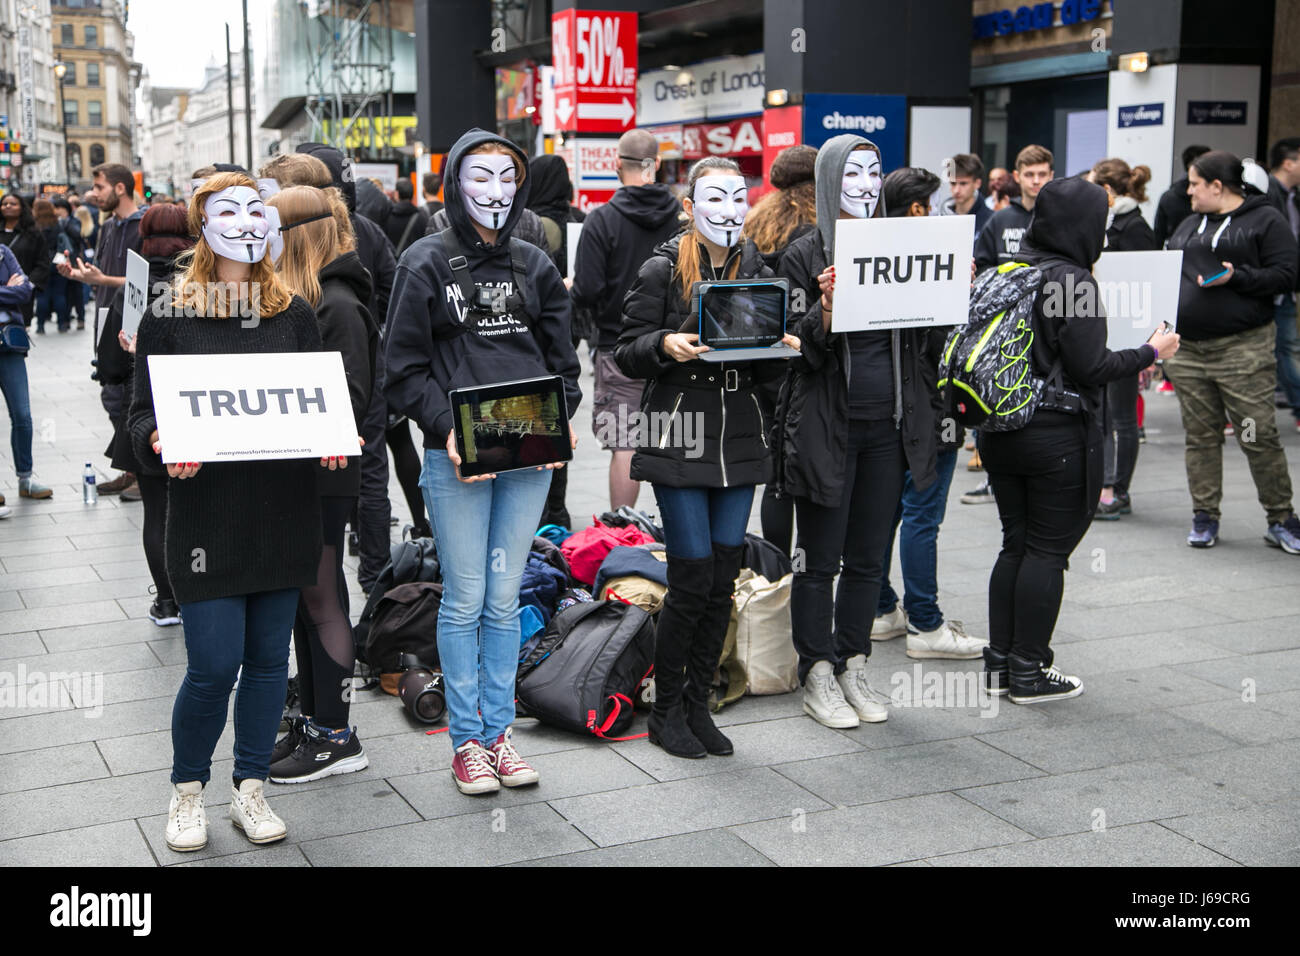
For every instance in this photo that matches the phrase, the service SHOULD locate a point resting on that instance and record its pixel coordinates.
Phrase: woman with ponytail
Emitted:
(1127, 232)
(703, 477)
(1238, 254)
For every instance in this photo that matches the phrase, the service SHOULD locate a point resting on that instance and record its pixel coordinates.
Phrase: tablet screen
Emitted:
(511, 425)
(742, 316)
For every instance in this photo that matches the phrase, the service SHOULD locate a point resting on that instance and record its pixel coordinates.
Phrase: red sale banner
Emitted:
(737, 138)
(594, 53)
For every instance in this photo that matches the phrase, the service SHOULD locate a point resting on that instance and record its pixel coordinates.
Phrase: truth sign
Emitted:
(902, 273)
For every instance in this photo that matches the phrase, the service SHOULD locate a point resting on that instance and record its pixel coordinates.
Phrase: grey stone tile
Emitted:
(168, 650)
(1267, 673)
(139, 753)
(123, 568)
(107, 844)
(48, 577)
(875, 775)
(1244, 723)
(1122, 692)
(125, 631)
(1250, 637)
(137, 588)
(29, 693)
(1263, 773)
(1132, 652)
(1141, 844)
(481, 839)
(37, 731)
(47, 544)
(25, 644)
(710, 848)
(277, 854)
(1167, 617)
(1257, 604)
(72, 557)
(106, 535)
(913, 725)
(1079, 745)
(680, 806)
(65, 615)
(564, 774)
(34, 769)
(879, 833)
(749, 709)
(89, 660)
(1076, 802)
(1256, 836)
(11, 601)
(309, 815)
(74, 805)
(145, 684)
(758, 744)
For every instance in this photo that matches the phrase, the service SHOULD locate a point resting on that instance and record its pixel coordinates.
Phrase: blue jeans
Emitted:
(921, 513)
(245, 636)
(1288, 353)
(483, 531)
(54, 298)
(13, 382)
(697, 518)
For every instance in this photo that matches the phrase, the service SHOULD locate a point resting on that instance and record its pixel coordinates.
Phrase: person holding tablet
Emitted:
(474, 306)
(705, 465)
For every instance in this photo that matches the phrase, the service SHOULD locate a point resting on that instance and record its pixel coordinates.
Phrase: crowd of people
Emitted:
(852, 439)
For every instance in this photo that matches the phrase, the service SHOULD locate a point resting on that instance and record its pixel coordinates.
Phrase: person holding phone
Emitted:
(472, 305)
(242, 537)
(1238, 254)
(705, 491)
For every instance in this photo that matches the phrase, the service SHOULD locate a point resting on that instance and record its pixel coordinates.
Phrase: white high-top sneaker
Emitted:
(889, 626)
(870, 707)
(249, 812)
(946, 642)
(823, 700)
(187, 821)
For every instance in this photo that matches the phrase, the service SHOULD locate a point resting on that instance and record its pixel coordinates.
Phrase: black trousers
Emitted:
(853, 533)
(1120, 433)
(1040, 478)
(373, 507)
(153, 495)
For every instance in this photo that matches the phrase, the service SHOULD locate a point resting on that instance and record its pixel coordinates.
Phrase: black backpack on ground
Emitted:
(765, 558)
(584, 673)
(409, 562)
(405, 622)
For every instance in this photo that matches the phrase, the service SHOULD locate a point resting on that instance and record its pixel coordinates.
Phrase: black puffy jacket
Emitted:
(814, 412)
(733, 447)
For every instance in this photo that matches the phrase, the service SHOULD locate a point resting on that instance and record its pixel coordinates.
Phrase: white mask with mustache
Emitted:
(719, 205)
(860, 190)
(235, 224)
(487, 181)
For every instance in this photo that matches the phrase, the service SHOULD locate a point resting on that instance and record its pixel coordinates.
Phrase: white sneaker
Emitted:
(823, 700)
(5, 511)
(249, 812)
(187, 821)
(946, 642)
(889, 626)
(870, 707)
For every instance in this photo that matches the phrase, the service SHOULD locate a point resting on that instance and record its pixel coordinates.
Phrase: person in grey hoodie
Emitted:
(855, 416)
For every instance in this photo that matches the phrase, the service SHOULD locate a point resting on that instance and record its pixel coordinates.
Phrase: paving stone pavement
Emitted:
(1182, 751)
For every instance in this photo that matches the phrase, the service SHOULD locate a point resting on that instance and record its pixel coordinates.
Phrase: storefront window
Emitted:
(1067, 115)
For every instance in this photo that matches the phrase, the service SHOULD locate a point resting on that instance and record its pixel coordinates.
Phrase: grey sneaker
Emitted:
(29, 488)
(1285, 535)
(871, 708)
(823, 700)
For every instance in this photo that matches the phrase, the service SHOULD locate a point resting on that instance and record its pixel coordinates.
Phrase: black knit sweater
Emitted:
(257, 522)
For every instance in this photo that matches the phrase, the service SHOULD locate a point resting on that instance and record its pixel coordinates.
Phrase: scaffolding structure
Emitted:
(350, 74)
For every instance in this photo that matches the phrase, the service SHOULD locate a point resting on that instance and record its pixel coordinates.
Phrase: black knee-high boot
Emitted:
(707, 648)
(685, 603)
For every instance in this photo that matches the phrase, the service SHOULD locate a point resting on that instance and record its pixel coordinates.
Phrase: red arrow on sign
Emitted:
(621, 112)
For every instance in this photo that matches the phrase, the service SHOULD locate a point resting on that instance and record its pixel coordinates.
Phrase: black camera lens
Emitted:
(421, 692)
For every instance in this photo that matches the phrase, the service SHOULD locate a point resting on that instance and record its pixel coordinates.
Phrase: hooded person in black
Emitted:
(617, 238)
(1047, 475)
(373, 506)
(1174, 204)
(442, 336)
(406, 221)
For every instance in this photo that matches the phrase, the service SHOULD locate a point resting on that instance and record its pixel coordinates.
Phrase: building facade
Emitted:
(99, 86)
(30, 132)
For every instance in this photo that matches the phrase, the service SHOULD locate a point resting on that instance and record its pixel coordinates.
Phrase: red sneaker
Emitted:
(511, 768)
(472, 768)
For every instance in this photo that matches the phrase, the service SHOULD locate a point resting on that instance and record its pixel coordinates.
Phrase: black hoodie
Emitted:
(617, 238)
(999, 240)
(1257, 240)
(405, 224)
(433, 345)
(346, 327)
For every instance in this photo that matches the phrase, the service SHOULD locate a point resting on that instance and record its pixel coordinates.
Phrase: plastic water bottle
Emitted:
(89, 492)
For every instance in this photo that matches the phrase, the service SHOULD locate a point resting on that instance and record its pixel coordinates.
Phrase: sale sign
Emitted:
(594, 55)
(737, 138)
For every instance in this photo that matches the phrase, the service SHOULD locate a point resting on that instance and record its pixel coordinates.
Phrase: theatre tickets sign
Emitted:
(252, 407)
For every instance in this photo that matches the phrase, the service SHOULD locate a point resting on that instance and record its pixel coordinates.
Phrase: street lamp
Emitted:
(60, 71)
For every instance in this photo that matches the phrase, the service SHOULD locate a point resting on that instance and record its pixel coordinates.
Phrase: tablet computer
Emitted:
(507, 426)
(743, 319)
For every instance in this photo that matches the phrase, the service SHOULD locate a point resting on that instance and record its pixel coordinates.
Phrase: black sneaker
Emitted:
(997, 673)
(164, 612)
(1142, 435)
(983, 495)
(354, 544)
(289, 742)
(1109, 510)
(316, 757)
(1035, 681)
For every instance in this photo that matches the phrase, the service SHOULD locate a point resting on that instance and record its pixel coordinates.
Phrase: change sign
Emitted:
(902, 273)
(252, 407)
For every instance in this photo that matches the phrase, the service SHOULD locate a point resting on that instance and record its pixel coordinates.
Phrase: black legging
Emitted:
(1120, 433)
(406, 460)
(153, 495)
(1040, 481)
(322, 633)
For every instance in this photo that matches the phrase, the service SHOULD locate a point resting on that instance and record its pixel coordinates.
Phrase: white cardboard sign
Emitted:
(1138, 290)
(572, 232)
(252, 407)
(902, 273)
(136, 294)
